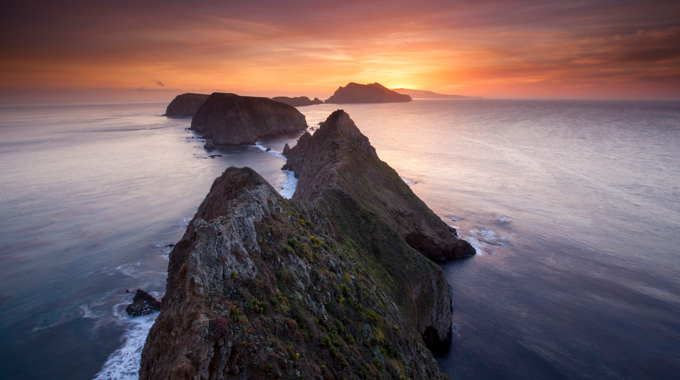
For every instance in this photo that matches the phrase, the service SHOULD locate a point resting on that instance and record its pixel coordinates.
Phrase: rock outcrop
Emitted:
(366, 93)
(339, 155)
(230, 119)
(185, 105)
(320, 286)
(299, 101)
(143, 303)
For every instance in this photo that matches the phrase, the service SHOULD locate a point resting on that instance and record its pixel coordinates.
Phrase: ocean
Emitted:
(573, 208)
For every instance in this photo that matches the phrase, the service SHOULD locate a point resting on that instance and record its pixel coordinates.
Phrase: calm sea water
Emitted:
(573, 207)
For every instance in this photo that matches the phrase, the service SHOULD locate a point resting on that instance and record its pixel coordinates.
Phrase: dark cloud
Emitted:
(159, 83)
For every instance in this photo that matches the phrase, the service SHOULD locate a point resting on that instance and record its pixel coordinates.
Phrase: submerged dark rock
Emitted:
(317, 286)
(142, 304)
(185, 105)
(209, 145)
(229, 119)
(366, 93)
(299, 101)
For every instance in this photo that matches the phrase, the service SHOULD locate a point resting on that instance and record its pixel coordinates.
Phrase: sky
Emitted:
(106, 50)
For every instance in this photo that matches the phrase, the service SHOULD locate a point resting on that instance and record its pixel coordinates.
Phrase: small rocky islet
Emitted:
(337, 282)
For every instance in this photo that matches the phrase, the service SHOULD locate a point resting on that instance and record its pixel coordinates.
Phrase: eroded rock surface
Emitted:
(320, 286)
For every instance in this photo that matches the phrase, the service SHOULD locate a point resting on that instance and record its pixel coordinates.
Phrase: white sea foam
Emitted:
(476, 244)
(504, 219)
(123, 364)
(456, 219)
(164, 249)
(482, 232)
(184, 223)
(456, 330)
(408, 181)
(88, 312)
(288, 188)
(488, 237)
(272, 151)
(262, 147)
(128, 269)
(65, 316)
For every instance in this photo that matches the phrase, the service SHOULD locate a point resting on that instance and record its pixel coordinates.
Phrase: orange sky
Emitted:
(153, 50)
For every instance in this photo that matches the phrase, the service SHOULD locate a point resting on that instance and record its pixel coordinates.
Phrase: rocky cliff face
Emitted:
(366, 93)
(338, 155)
(229, 119)
(185, 105)
(299, 101)
(320, 286)
(261, 286)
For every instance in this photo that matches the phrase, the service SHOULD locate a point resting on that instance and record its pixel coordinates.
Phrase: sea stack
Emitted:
(142, 304)
(230, 119)
(366, 93)
(319, 286)
(185, 105)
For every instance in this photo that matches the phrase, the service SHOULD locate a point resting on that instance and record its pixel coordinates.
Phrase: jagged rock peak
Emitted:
(339, 155)
(339, 122)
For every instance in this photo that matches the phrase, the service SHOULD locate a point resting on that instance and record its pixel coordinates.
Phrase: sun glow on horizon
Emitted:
(470, 49)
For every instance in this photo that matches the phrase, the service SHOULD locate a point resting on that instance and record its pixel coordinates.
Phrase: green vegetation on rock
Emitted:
(323, 287)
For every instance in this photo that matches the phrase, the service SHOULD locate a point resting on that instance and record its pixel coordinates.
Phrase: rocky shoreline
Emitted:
(332, 283)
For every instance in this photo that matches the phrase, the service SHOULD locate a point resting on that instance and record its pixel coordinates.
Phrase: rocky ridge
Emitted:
(230, 119)
(339, 155)
(320, 286)
(366, 93)
(185, 105)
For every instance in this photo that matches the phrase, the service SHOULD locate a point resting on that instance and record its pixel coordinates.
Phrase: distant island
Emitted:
(422, 94)
(299, 101)
(366, 93)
